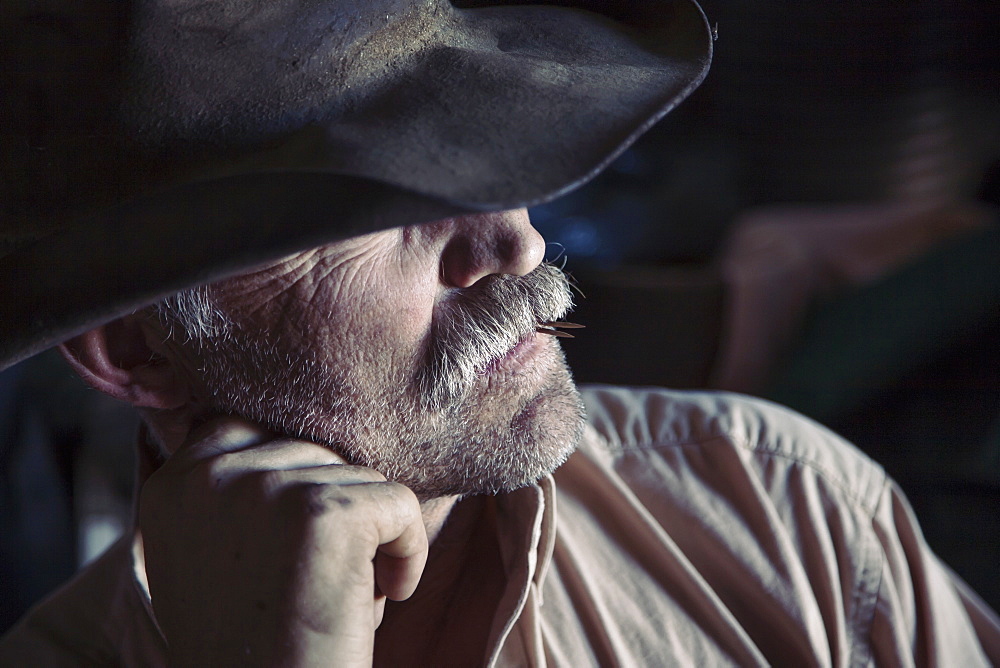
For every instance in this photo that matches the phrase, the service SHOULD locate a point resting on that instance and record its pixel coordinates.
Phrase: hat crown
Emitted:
(110, 99)
(102, 93)
(158, 144)
(235, 70)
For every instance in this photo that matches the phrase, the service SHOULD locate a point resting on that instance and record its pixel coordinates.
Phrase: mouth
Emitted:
(521, 353)
(515, 358)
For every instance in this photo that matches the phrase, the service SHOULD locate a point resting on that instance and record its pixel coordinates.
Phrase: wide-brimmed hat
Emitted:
(153, 145)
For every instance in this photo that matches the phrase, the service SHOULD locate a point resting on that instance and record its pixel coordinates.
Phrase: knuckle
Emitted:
(215, 469)
(396, 500)
(402, 492)
(269, 483)
(320, 499)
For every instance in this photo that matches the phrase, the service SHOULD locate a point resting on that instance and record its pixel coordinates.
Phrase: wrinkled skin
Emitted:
(271, 551)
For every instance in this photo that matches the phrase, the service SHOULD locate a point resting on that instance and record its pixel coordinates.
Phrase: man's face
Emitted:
(412, 351)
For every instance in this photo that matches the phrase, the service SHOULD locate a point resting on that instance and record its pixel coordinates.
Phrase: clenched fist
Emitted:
(265, 551)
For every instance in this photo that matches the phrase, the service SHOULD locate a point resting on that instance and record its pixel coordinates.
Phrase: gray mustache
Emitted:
(480, 325)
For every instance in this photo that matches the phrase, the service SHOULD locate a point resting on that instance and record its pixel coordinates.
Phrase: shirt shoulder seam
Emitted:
(864, 495)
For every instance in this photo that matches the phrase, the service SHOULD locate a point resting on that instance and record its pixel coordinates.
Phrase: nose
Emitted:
(490, 243)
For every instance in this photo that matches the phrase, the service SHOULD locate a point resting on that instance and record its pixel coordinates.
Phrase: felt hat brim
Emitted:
(233, 144)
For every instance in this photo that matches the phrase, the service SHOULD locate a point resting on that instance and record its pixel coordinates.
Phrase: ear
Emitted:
(116, 359)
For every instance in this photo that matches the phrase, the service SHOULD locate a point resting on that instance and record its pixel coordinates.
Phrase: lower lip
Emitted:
(518, 356)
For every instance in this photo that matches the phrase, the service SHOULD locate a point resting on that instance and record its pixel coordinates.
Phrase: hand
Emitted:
(263, 551)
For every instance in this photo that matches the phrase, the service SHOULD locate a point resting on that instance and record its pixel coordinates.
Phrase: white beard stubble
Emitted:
(438, 424)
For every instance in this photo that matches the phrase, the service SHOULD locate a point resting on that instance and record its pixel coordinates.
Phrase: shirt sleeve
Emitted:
(803, 540)
(923, 613)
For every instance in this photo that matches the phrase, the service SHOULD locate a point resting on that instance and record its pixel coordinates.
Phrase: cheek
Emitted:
(373, 313)
(382, 331)
(402, 306)
(406, 316)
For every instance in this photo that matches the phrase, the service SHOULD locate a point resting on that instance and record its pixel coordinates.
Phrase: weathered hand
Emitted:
(263, 551)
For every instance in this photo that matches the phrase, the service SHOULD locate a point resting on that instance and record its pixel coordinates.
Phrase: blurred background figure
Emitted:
(816, 225)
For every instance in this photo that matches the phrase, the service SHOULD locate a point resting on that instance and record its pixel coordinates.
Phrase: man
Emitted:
(400, 426)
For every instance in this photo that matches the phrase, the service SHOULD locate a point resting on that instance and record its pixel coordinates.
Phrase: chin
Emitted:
(518, 423)
(500, 440)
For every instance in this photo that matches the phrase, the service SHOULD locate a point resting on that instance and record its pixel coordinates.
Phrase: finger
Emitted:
(378, 610)
(282, 454)
(389, 514)
(403, 545)
(333, 479)
(398, 577)
(218, 436)
(248, 447)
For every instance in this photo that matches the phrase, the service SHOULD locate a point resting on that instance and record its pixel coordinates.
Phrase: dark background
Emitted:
(823, 105)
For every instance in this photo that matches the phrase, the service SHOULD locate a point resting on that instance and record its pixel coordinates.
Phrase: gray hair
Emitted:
(191, 316)
(424, 415)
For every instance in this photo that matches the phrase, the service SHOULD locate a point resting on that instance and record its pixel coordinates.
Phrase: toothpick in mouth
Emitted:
(552, 328)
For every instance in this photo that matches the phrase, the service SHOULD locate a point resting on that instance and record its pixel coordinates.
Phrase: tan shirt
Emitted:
(694, 529)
